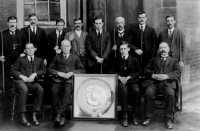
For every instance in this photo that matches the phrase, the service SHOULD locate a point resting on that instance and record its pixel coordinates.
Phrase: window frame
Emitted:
(47, 24)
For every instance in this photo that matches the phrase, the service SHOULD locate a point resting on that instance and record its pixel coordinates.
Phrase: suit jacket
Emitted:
(149, 43)
(93, 48)
(60, 64)
(21, 67)
(177, 46)
(129, 67)
(171, 68)
(78, 43)
(39, 40)
(52, 40)
(11, 51)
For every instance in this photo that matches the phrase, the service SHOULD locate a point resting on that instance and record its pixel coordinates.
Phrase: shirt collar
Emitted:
(120, 31)
(78, 32)
(126, 57)
(97, 31)
(172, 30)
(29, 57)
(57, 32)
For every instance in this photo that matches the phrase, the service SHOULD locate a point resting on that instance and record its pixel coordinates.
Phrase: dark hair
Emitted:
(141, 12)
(77, 19)
(98, 18)
(28, 44)
(12, 18)
(33, 14)
(125, 43)
(170, 16)
(60, 20)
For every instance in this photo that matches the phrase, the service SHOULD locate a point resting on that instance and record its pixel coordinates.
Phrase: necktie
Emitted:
(142, 28)
(170, 33)
(31, 59)
(58, 33)
(98, 34)
(34, 31)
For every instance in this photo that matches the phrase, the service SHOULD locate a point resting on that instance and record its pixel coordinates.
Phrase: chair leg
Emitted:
(13, 109)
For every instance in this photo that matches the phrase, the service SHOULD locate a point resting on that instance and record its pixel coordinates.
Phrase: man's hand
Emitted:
(2, 58)
(160, 77)
(71, 37)
(58, 51)
(56, 48)
(139, 52)
(22, 55)
(122, 79)
(128, 77)
(181, 64)
(61, 74)
(24, 78)
(114, 47)
(45, 62)
(32, 77)
(68, 75)
(99, 60)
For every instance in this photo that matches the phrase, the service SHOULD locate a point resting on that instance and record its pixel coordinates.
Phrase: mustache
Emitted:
(12, 26)
(163, 51)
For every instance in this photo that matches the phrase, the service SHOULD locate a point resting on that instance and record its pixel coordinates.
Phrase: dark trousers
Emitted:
(61, 92)
(169, 99)
(97, 69)
(23, 89)
(129, 92)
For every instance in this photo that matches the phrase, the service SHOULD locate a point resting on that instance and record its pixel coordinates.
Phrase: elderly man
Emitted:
(63, 67)
(175, 38)
(25, 71)
(161, 71)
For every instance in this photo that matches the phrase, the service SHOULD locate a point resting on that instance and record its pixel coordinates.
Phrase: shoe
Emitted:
(125, 122)
(62, 121)
(24, 121)
(146, 122)
(135, 121)
(169, 124)
(35, 120)
(57, 119)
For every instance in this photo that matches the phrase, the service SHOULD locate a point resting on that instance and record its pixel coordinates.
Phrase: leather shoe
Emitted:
(135, 121)
(169, 124)
(146, 122)
(62, 121)
(35, 120)
(125, 122)
(24, 121)
(57, 119)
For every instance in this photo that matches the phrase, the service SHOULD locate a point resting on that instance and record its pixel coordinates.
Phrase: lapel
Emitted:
(174, 35)
(167, 61)
(69, 59)
(129, 61)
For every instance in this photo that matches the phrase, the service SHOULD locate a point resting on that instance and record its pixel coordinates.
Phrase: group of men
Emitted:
(130, 53)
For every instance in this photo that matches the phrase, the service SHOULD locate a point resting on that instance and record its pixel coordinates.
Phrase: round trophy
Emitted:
(94, 97)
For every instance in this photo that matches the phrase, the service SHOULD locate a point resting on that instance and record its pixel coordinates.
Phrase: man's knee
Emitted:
(22, 89)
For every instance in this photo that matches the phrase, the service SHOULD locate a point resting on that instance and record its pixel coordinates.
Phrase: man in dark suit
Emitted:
(63, 68)
(98, 47)
(128, 70)
(77, 38)
(117, 36)
(12, 48)
(144, 40)
(54, 40)
(37, 36)
(24, 72)
(175, 38)
(161, 71)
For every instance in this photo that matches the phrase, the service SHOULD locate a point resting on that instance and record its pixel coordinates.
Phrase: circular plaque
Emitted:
(94, 97)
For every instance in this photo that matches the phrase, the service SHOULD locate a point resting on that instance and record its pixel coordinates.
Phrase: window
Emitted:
(48, 11)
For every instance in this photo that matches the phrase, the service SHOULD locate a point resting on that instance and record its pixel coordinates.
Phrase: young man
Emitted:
(161, 71)
(54, 40)
(77, 38)
(63, 67)
(24, 72)
(175, 38)
(128, 70)
(98, 48)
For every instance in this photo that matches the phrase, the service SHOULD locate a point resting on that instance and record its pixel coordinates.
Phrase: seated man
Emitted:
(162, 70)
(128, 70)
(63, 67)
(25, 71)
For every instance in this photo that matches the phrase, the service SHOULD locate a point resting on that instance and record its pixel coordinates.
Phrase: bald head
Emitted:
(120, 23)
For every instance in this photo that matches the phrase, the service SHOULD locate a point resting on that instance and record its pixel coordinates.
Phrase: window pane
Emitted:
(29, 7)
(42, 11)
(54, 0)
(54, 11)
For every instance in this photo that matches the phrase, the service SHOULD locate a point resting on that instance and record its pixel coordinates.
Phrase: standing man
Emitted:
(77, 38)
(144, 40)
(63, 67)
(24, 72)
(37, 36)
(161, 72)
(54, 40)
(117, 36)
(98, 48)
(12, 48)
(175, 38)
(128, 70)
